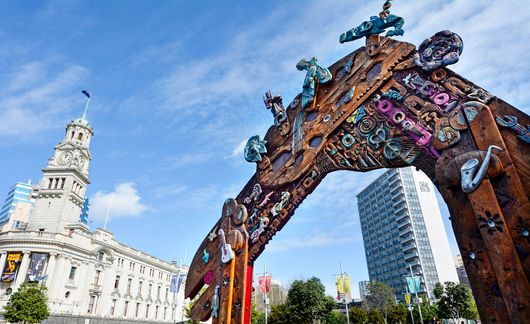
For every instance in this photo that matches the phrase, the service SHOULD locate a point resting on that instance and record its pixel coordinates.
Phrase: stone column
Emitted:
(22, 271)
(50, 269)
(3, 260)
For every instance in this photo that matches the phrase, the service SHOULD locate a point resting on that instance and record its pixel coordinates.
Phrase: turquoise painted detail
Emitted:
(254, 149)
(215, 302)
(314, 72)
(346, 98)
(375, 26)
(392, 94)
(205, 256)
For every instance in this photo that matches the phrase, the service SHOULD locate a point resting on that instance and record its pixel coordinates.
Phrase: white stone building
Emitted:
(87, 273)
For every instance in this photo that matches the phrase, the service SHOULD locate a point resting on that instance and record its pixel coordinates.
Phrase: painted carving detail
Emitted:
(315, 73)
(281, 204)
(275, 104)
(441, 49)
(511, 122)
(375, 26)
(470, 180)
(254, 149)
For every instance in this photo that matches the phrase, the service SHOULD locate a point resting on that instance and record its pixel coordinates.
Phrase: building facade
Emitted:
(363, 288)
(87, 273)
(461, 271)
(402, 227)
(20, 192)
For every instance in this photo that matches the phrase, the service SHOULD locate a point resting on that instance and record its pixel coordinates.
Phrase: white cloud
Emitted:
(336, 236)
(124, 201)
(36, 96)
(238, 150)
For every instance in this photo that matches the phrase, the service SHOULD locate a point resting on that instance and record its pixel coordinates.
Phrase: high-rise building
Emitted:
(402, 226)
(20, 192)
(461, 271)
(363, 288)
(277, 295)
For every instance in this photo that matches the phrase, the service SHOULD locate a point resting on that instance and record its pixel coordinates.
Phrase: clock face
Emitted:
(80, 161)
(65, 157)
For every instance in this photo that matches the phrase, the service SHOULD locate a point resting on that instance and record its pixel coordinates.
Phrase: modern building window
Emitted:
(71, 276)
(125, 306)
(117, 282)
(96, 278)
(113, 307)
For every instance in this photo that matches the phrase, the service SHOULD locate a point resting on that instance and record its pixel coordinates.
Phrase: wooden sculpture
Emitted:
(386, 105)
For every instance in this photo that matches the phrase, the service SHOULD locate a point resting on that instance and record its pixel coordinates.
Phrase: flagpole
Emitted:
(344, 293)
(265, 289)
(410, 306)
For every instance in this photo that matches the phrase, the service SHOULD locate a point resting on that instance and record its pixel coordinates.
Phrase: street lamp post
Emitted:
(344, 294)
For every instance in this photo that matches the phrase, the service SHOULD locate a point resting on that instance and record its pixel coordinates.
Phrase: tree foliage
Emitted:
(375, 317)
(397, 314)
(380, 297)
(280, 314)
(335, 317)
(454, 301)
(428, 312)
(307, 301)
(28, 304)
(358, 315)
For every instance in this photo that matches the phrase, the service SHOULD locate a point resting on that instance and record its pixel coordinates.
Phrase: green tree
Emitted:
(428, 312)
(397, 314)
(335, 317)
(358, 315)
(375, 317)
(280, 314)
(380, 297)
(307, 301)
(28, 304)
(255, 315)
(453, 300)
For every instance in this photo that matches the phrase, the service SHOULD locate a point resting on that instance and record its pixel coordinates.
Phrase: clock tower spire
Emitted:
(62, 189)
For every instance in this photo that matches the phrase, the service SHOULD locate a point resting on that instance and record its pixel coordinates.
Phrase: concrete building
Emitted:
(277, 295)
(461, 271)
(363, 288)
(89, 274)
(20, 192)
(402, 226)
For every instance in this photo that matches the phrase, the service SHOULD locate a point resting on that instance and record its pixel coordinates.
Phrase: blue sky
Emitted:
(177, 90)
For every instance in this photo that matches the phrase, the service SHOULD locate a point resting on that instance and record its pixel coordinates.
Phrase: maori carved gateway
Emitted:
(386, 105)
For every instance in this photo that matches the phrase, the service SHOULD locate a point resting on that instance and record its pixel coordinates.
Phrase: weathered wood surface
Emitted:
(385, 108)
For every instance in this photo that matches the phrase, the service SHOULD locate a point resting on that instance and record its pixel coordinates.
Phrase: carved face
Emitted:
(373, 45)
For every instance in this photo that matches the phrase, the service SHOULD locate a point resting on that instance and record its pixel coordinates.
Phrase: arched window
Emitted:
(80, 137)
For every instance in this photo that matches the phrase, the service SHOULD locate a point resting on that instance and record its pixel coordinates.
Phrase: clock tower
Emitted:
(62, 189)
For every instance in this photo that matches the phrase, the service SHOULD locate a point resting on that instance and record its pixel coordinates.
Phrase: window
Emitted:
(149, 291)
(147, 311)
(101, 255)
(156, 312)
(125, 308)
(72, 273)
(137, 309)
(165, 312)
(158, 293)
(91, 303)
(71, 232)
(80, 137)
(96, 278)
(113, 307)
(117, 282)
(140, 283)
(129, 282)
(167, 292)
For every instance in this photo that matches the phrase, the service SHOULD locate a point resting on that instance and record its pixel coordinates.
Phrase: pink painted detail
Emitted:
(266, 199)
(417, 132)
(441, 99)
(208, 277)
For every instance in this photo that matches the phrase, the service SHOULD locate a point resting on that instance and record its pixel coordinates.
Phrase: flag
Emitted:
(343, 290)
(264, 283)
(86, 93)
(414, 284)
(407, 299)
(176, 282)
(268, 283)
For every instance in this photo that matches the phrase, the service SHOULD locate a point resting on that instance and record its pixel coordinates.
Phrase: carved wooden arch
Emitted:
(387, 107)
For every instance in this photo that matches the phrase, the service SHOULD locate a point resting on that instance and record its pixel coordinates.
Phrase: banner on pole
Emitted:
(37, 266)
(264, 283)
(414, 284)
(12, 266)
(343, 290)
(176, 282)
(407, 299)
